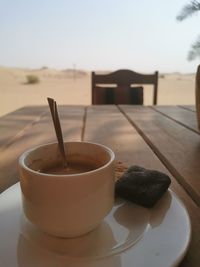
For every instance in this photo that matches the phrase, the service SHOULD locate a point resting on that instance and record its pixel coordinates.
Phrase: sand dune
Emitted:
(74, 87)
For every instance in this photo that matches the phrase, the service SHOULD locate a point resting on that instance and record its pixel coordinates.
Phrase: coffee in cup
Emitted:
(67, 201)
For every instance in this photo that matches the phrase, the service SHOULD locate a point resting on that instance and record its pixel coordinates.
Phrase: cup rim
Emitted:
(22, 158)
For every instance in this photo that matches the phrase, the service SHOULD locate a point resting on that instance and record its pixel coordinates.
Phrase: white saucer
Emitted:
(129, 236)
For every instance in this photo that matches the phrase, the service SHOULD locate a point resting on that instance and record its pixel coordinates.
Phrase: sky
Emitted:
(97, 35)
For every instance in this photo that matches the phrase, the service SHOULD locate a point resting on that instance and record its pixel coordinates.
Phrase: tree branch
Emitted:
(195, 50)
(189, 10)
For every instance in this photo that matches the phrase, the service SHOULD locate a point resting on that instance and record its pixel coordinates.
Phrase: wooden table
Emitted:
(164, 138)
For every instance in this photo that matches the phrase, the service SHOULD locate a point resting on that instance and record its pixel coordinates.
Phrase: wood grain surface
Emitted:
(159, 138)
(115, 131)
(41, 132)
(186, 117)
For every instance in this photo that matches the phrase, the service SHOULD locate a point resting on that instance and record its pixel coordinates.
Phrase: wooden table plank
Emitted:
(40, 133)
(106, 125)
(15, 123)
(177, 146)
(189, 107)
(183, 116)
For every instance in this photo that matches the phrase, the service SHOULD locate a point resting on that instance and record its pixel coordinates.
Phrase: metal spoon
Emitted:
(57, 127)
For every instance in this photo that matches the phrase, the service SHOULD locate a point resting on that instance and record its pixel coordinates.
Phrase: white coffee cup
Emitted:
(67, 205)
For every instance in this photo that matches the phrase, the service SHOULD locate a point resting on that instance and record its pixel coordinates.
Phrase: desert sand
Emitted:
(74, 88)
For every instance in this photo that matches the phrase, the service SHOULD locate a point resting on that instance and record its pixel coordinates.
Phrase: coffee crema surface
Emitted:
(73, 167)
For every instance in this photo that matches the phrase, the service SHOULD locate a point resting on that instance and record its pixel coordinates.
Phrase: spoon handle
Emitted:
(57, 126)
